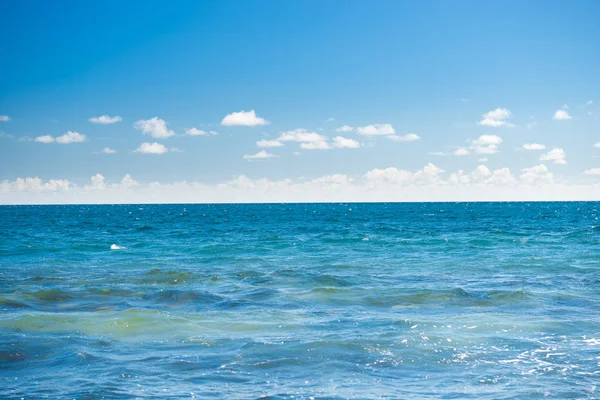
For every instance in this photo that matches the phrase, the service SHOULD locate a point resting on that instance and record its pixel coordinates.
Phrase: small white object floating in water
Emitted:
(117, 247)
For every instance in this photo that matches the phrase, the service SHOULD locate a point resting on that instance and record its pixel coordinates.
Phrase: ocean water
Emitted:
(282, 301)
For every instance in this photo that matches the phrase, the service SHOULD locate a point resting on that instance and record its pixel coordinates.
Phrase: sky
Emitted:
(268, 101)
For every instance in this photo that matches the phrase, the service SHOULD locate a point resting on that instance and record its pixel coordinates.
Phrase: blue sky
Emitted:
(427, 68)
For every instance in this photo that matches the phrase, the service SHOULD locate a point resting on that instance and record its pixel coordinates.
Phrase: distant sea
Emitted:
(282, 301)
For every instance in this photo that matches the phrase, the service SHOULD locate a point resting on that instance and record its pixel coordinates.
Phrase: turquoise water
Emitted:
(419, 301)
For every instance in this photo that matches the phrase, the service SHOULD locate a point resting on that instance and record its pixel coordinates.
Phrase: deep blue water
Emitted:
(424, 300)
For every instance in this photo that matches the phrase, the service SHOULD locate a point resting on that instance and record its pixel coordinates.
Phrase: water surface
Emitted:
(420, 301)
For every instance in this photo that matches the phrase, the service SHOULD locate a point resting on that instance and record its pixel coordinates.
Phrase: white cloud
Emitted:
(376, 130)
(108, 150)
(4, 118)
(409, 137)
(70, 137)
(319, 145)
(556, 155)
(155, 127)
(597, 144)
(437, 153)
(592, 171)
(536, 175)
(307, 140)
(483, 159)
(561, 115)
(496, 118)
(345, 128)
(428, 175)
(259, 156)
(301, 135)
(67, 138)
(243, 118)
(461, 151)
(98, 183)
(487, 140)
(391, 175)
(151, 148)
(269, 143)
(34, 185)
(345, 143)
(44, 139)
(128, 181)
(199, 132)
(386, 184)
(533, 146)
(486, 144)
(105, 119)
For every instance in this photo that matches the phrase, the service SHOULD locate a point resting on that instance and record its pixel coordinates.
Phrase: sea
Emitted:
(300, 301)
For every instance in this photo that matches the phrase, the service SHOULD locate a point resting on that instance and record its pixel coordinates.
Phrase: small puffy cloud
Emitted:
(199, 132)
(427, 175)
(301, 135)
(128, 181)
(345, 128)
(345, 143)
(243, 118)
(261, 155)
(67, 138)
(487, 140)
(376, 130)
(151, 148)
(483, 159)
(533, 146)
(307, 140)
(561, 115)
(597, 144)
(556, 155)
(155, 127)
(592, 171)
(536, 175)
(409, 137)
(486, 144)
(97, 183)
(108, 150)
(4, 118)
(496, 118)
(269, 143)
(44, 139)
(318, 145)
(70, 137)
(389, 175)
(501, 176)
(482, 176)
(461, 151)
(105, 120)
(479, 175)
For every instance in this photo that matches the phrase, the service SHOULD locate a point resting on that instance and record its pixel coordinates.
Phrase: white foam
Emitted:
(117, 247)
